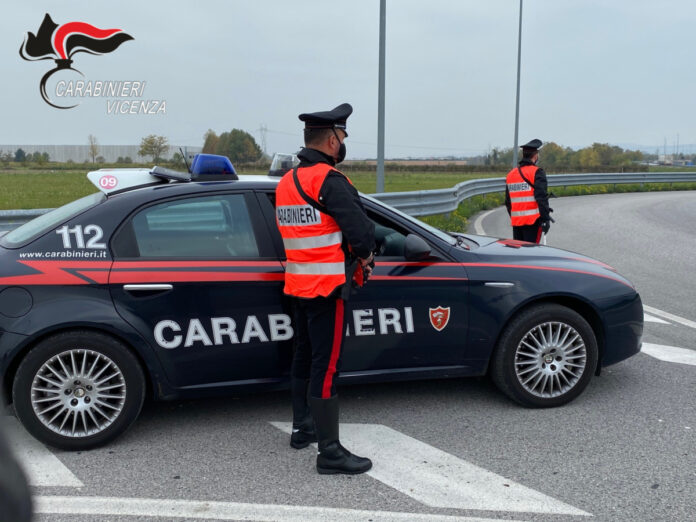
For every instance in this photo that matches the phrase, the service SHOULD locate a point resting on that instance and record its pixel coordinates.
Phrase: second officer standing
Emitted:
(526, 196)
(328, 242)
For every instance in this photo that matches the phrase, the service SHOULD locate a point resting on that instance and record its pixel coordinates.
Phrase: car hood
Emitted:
(522, 249)
(512, 252)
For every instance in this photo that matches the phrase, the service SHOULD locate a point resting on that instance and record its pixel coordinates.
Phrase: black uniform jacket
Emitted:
(343, 203)
(540, 192)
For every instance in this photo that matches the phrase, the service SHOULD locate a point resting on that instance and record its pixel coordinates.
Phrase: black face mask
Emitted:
(341, 149)
(341, 153)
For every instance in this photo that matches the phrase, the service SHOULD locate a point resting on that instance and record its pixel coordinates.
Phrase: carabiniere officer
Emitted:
(328, 252)
(526, 196)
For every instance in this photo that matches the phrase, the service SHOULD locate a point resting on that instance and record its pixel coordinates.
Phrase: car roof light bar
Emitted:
(205, 167)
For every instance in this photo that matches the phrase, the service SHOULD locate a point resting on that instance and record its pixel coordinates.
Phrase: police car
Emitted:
(169, 285)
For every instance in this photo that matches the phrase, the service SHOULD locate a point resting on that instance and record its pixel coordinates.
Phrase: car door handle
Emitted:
(148, 287)
(499, 284)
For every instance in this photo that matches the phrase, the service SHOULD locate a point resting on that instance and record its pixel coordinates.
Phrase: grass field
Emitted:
(26, 189)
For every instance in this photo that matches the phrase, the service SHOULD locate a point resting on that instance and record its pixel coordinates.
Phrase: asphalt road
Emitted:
(624, 450)
(648, 237)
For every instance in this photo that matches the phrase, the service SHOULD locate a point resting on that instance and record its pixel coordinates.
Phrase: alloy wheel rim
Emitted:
(78, 393)
(550, 359)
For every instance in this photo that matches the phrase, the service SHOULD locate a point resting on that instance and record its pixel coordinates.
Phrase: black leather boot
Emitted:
(303, 433)
(332, 457)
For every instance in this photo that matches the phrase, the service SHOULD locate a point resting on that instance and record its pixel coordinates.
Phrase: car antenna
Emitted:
(185, 162)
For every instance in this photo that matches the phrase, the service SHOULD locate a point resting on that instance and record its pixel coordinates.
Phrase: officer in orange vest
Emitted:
(526, 198)
(329, 243)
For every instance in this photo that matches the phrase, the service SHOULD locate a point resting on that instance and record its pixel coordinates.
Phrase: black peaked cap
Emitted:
(333, 119)
(535, 144)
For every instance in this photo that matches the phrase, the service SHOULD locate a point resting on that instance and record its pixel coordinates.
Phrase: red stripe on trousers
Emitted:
(538, 235)
(335, 350)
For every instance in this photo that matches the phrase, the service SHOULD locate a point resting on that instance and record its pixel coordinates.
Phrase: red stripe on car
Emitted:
(166, 276)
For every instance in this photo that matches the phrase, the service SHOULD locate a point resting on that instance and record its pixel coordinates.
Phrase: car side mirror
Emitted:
(415, 248)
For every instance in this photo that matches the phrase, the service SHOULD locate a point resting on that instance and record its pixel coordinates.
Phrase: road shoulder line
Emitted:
(191, 509)
(671, 317)
(671, 354)
(41, 466)
(478, 226)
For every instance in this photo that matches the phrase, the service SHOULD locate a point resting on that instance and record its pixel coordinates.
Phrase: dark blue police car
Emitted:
(171, 287)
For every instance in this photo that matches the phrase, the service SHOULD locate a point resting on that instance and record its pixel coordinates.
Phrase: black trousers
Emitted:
(530, 233)
(319, 331)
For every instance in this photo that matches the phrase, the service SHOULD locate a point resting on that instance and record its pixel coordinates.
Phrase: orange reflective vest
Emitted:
(524, 209)
(312, 239)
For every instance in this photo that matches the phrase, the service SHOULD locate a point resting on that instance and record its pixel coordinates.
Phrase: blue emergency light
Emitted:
(212, 167)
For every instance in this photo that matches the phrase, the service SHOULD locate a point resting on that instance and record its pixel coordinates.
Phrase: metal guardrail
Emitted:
(441, 201)
(10, 219)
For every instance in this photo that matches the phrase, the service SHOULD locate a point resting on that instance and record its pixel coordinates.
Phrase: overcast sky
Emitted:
(619, 71)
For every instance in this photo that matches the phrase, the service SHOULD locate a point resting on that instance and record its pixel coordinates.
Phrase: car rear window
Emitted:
(38, 226)
(204, 227)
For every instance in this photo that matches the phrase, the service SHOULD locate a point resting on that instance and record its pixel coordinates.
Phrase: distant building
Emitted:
(682, 162)
(80, 153)
(665, 159)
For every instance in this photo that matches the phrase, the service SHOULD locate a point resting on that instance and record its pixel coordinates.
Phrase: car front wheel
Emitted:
(545, 357)
(78, 390)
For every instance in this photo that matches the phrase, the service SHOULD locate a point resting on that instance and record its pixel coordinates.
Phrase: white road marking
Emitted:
(192, 509)
(670, 353)
(40, 465)
(478, 227)
(652, 319)
(438, 479)
(671, 317)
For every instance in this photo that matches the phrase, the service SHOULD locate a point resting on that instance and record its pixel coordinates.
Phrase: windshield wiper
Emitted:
(460, 240)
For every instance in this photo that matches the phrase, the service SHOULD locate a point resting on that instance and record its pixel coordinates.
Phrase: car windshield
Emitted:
(38, 226)
(435, 231)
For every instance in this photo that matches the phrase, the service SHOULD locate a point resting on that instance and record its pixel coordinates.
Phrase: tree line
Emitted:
(241, 148)
(19, 156)
(238, 145)
(554, 156)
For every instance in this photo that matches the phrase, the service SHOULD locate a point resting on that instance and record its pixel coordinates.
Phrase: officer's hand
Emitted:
(367, 265)
(545, 226)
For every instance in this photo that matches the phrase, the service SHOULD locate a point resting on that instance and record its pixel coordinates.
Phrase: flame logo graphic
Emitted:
(61, 42)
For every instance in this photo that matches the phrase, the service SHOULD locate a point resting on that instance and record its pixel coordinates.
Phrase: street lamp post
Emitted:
(517, 99)
(380, 98)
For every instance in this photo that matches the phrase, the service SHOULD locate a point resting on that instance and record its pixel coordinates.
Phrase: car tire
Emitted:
(545, 356)
(78, 390)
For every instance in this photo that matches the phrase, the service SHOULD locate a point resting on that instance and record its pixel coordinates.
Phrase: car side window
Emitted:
(390, 240)
(214, 226)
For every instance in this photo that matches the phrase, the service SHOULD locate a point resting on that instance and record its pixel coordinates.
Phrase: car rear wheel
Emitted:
(78, 390)
(545, 357)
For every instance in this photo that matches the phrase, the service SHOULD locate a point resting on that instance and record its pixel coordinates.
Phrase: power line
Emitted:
(273, 131)
(262, 131)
